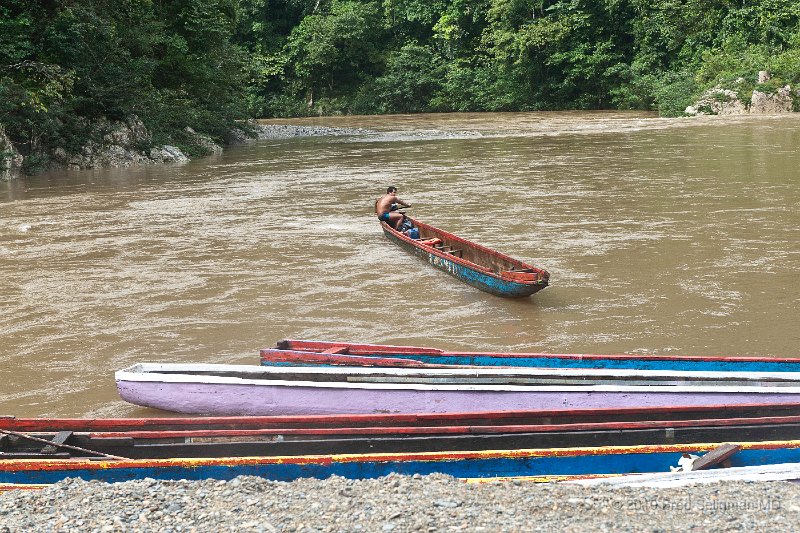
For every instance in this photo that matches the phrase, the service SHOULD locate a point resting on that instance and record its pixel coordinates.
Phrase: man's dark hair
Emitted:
(391, 189)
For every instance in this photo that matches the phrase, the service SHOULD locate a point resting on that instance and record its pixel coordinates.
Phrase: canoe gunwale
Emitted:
(408, 420)
(366, 349)
(367, 431)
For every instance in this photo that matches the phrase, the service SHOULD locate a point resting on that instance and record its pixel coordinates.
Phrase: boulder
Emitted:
(772, 103)
(10, 158)
(132, 132)
(203, 141)
(95, 155)
(718, 101)
(167, 154)
(123, 144)
(721, 101)
(237, 136)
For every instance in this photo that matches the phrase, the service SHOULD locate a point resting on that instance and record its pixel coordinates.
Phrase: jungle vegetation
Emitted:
(208, 63)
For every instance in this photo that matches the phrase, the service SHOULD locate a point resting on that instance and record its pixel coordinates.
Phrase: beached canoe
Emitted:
(291, 441)
(304, 353)
(396, 421)
(662, 480)
(258, 390)
(476, 265)
(536, 464)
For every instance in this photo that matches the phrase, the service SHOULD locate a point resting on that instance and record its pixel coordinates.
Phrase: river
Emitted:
(661, 236)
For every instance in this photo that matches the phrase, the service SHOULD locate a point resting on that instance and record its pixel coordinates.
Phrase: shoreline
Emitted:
(397, 503)
(409, 127)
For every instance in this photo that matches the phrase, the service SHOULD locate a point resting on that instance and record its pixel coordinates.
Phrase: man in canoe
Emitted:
(386, 207)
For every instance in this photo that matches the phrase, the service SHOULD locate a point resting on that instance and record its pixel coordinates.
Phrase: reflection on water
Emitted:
(660, 235)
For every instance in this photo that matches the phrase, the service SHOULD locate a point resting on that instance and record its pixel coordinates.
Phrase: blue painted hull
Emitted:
(531, 463)
(480, 280)
(633, 363)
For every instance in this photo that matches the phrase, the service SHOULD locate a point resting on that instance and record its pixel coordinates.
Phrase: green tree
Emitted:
(331, 52)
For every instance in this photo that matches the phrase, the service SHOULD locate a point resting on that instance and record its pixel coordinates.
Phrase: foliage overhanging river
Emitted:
(662, 236)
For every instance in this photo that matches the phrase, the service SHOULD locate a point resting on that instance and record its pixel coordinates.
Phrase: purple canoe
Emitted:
(231, 390)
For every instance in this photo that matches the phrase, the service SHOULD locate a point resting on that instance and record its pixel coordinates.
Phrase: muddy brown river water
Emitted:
(662, 236)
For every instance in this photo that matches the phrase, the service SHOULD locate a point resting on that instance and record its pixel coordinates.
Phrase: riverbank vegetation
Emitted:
(67, 66)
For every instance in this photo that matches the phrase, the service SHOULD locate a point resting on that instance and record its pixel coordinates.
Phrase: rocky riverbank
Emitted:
(733, 100)
(435, 503)
(129, 143)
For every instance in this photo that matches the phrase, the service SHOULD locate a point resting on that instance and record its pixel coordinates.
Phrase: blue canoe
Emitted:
(538, 464)
(307, 353)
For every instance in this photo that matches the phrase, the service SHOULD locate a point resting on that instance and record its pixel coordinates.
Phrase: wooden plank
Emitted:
(34, 455)
(715, 456)
(336, 350)
(60, 438)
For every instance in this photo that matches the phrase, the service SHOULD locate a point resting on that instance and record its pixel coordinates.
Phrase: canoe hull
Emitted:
(287, 442)
(333, 353)
(537, 464)
(479, 280)
(471, 273)
(288, 357)
(222, 399)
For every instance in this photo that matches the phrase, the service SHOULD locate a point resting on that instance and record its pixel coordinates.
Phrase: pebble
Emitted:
(397, 503)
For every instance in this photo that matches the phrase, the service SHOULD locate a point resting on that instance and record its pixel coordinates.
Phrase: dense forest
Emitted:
(66, 64)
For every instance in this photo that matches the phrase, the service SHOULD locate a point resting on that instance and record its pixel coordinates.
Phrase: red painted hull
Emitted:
(496, 419)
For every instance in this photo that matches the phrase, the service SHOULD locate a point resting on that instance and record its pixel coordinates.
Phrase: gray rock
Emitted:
(718, 101)
(238, 136)
(722, 101)
(203, 141)
(129, 133)
(168, 154)
(10, 158)
(771, 104)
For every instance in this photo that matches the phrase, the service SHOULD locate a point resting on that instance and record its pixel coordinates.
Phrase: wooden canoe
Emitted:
(291, 441)
(476, 265)
(544, 464)
(373, 421)
(305, 352)
(259, 390)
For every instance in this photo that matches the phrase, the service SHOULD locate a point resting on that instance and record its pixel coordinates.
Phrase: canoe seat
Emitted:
(60, 438)
(457, 253)
(716, 456)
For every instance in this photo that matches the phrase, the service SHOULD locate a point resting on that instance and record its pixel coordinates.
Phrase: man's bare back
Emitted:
(383, 207)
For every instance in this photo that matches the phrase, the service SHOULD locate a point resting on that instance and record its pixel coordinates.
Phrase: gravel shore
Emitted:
(287, 131)
(435, 503)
